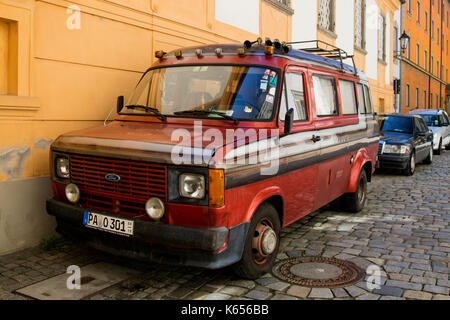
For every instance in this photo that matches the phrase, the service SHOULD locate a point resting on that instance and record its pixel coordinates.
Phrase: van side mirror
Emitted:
(120, 103)
(289, 121)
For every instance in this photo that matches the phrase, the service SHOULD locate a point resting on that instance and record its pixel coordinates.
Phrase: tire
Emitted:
(254, 262)
(439, 150)
(409, 171)
(429, 159)
(355, 202)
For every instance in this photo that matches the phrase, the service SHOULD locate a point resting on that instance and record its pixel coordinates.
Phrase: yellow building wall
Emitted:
(56, 77)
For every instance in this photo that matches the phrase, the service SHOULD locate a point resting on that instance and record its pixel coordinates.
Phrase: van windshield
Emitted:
(241, 92)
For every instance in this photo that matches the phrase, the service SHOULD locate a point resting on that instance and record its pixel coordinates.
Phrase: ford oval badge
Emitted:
(112, 177)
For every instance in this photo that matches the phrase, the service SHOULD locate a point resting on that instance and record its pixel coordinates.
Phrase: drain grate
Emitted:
(318, 272)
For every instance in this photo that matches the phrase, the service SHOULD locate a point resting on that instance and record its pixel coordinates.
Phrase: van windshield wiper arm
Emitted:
(148, 109)
(208, 112)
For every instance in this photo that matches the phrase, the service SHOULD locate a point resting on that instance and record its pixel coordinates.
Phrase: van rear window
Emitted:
(348, 97)
(325, 96)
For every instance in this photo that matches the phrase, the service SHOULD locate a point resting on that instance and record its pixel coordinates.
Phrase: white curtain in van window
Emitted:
(348, 99)
(325, 94)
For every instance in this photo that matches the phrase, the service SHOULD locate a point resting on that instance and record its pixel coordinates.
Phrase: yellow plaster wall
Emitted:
(69, 79)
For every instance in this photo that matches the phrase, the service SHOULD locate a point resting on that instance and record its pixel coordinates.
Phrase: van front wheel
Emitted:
(355, 201)
(261, 244)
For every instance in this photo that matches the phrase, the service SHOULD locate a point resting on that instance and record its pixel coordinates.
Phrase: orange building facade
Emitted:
(425, 63)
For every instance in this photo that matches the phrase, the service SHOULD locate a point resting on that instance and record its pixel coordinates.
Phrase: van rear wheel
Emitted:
(261, 244)
(355, 201)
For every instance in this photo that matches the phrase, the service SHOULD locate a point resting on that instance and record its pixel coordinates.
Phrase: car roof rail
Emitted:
(326, 50)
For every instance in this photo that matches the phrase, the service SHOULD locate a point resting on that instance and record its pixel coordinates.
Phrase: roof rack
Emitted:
(326, 50)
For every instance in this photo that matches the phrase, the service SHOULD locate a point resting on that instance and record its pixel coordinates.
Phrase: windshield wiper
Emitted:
(148, 109)
(208, 112)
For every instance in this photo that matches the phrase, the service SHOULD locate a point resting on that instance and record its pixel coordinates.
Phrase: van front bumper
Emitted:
(392, 161)
(200, 247)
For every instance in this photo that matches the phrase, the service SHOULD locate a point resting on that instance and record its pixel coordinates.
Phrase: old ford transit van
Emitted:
(218, 148)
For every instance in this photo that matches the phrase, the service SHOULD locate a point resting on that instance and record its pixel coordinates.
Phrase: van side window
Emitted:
(423, 125)
(368, 100)
(348, 97)
(294, 91)
(325, 95)
(362, 105)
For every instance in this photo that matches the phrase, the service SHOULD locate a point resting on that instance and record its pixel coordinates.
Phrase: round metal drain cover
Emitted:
(318, 272)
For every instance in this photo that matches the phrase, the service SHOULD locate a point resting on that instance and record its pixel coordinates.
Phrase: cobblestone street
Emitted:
(404, 229)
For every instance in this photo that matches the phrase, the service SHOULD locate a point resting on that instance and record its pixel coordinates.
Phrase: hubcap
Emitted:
(361, 191)
(264, 241)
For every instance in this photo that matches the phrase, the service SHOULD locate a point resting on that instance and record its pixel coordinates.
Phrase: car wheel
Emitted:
(429, 159)
(439, 150)
(261, 244)
(355, 202)
(409, 171)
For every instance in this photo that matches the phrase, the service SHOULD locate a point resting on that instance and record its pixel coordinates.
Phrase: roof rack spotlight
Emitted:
(269, 42)
(219, 52)
(277, 44)
(248, 44)
(178, 54)
(160, 54)
(285, 47)
(199, 52)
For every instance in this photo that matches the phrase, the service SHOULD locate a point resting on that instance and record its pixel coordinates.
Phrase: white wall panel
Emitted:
(242, 14)
(388, 49)
(345, 24)
(372, 39)
(304, 20)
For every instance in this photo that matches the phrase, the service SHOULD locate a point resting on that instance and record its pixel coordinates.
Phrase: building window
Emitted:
(425, 99)
(417, 97)
(418, 12)
(407, 95)
(360, 23)
(437, 68)
(396, 39)
(426, 21)
(425, 60)
(8, 57)
(382, 38)
(326, 15)
(431, 64)
(409, 6)
(418, 54)
(438, 36)
(432, 29)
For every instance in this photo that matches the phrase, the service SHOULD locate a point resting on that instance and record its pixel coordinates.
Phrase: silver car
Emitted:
(438, 121)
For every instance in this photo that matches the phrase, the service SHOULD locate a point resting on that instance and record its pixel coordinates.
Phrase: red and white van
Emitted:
(219, 148)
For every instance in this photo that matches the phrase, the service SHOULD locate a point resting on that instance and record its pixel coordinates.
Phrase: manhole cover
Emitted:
(318, 272)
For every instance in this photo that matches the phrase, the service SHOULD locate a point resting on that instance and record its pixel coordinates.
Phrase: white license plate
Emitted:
(107, 223)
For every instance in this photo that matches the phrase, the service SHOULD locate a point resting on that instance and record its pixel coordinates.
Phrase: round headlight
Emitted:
(72, 193)
(155, 208)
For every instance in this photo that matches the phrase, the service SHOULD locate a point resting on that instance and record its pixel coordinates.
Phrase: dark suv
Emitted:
(405, 140)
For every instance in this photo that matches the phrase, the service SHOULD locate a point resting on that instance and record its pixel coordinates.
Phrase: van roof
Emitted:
(295, 54)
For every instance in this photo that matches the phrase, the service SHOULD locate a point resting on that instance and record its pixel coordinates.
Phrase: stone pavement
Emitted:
(404, 229)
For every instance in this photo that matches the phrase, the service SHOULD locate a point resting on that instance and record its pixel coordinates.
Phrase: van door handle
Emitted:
(316, 138)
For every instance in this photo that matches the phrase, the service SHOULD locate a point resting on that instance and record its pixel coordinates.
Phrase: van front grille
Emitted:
(138, 182)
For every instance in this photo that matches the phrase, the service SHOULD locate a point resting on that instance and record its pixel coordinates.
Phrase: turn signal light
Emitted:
(216, 188)
(268, 50)
(241, 51)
